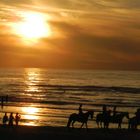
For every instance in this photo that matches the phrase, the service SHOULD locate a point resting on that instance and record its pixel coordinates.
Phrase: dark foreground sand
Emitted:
(45, 133)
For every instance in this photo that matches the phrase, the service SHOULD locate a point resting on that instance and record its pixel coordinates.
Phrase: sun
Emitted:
(32, 26)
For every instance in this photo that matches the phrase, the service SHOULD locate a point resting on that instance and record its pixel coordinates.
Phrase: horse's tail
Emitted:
(69, 122)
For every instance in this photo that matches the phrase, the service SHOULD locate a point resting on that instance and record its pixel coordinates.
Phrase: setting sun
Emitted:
(32, 26)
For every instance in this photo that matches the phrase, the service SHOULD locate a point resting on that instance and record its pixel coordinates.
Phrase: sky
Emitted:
(71, 34)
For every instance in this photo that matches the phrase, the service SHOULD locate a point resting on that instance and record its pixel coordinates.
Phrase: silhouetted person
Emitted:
(6, 98)
(138, 115)
(106, 119)
(80, 110)
(104, 109)
(17, 118)
(106, 116)
(2, 101)
(11, 119)
(5, 119)
(114, 110)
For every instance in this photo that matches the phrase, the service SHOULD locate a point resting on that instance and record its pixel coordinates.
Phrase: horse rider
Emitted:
(138, 115)
(106, 118)
(80, 110)
(104, 110)
(114, 111)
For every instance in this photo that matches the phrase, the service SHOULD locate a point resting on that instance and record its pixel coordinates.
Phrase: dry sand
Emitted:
(45, 133)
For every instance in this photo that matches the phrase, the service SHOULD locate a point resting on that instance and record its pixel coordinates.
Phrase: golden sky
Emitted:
(85, 34)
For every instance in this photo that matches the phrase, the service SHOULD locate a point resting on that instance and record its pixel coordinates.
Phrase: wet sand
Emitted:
(45, 133)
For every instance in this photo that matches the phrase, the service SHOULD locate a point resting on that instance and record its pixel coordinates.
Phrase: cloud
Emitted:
(128, 4)
(79, 43)
(15, 2)
(91, 34)
(91, 5)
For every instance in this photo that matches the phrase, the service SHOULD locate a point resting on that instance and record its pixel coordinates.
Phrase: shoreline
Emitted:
(48, 132)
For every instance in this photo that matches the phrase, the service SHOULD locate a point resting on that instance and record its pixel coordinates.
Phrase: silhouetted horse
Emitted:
(133, 123)
(103, 118)
(80, 118)
(100, 119)
(111, 119)
(118, 118)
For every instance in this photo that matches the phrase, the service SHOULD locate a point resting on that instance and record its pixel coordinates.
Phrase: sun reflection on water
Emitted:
(30, 115)
(32, 80)
(30, 110)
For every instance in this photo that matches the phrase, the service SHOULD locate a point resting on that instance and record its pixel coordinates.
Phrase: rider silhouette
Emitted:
(138, 115)
(104, 109)
(80, 110)
(114, 111)
(106, 116)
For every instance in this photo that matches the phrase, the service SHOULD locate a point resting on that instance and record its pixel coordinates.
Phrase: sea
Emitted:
(47, 97)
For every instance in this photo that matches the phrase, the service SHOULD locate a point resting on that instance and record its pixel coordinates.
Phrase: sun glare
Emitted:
(30, 110)
(32, 26)
(30, 114)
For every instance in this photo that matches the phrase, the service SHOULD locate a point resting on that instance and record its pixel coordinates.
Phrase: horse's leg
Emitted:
(135, 126)
(69, 122)
(97, 124)
(101, 124)
(129, 124)
(73, 124)
(86, 125)
(104, 124)
(107, 125)
(119, 125)
(82, 125)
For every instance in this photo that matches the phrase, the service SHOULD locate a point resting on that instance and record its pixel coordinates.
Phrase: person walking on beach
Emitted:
(17, 118)
(5, 119)
(11, 119)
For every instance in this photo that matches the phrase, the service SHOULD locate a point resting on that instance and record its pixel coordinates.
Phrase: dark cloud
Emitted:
(78, 36)
(88, 49)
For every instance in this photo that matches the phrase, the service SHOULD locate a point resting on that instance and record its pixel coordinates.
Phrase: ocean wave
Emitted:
(91, 88)
(64, 88)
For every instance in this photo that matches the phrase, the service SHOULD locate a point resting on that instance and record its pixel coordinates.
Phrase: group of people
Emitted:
(105, 110)
(109, 111)
(10, 120)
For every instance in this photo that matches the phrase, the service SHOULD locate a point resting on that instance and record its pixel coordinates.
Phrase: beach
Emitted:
(39, 132)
